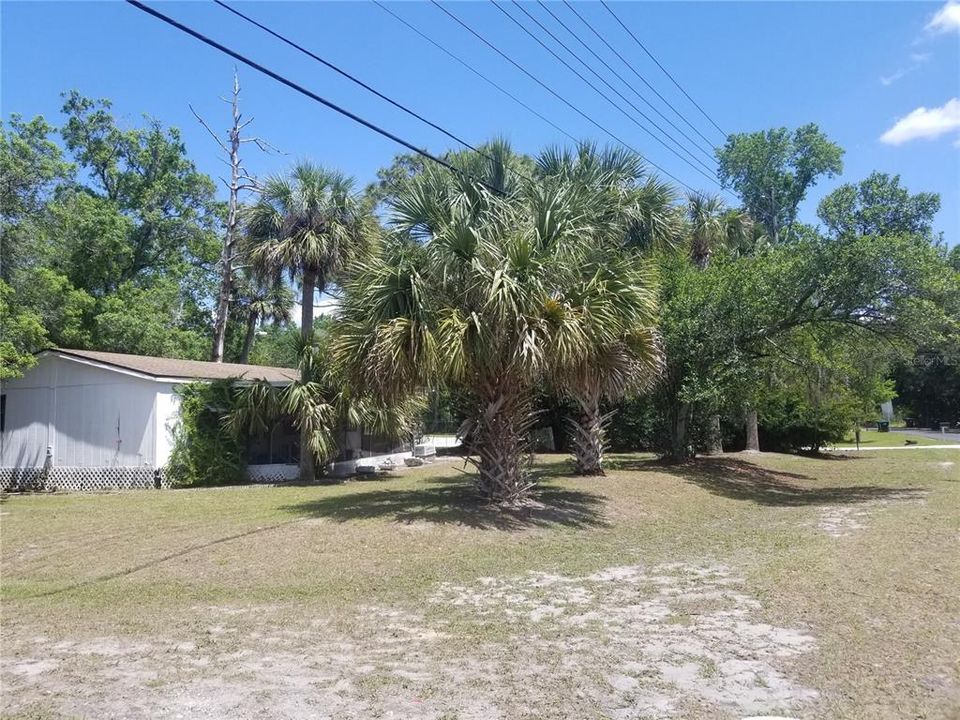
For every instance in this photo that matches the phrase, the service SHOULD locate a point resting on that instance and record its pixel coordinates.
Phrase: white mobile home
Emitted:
(97, 419)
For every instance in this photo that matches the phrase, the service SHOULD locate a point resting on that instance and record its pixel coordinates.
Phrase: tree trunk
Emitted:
(753, 438)
(679, 446)
(500, 441)
(587, 435)
(230, 235)
(716, 436)
(308, 470)
(248, 338)
(306, 305)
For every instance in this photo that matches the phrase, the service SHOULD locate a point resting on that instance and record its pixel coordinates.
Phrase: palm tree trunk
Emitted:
(248, 338)
(701, 258)
(753, 438)
(501, 443)
(587, 435)
(716, 436)
(308, 471)
(309, 286)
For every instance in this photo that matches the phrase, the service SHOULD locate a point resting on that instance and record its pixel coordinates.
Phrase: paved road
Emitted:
(955, 446)
(949, 438)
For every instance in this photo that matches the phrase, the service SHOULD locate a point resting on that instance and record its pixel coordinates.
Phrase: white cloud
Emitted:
(947, 18)
(926, 123)
(891, 79)
(917, 59)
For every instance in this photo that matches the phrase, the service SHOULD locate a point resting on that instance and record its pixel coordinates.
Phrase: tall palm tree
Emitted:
(713, 225)
(470, 296)
(310, 224)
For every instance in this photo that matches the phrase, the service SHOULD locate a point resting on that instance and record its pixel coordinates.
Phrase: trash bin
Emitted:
(883, 426)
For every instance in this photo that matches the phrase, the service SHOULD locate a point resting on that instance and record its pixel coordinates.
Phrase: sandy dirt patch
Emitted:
(845, 520)
(629, 642)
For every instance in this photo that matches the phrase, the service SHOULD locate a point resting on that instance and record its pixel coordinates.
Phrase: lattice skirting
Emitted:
(81, 479)
(270, 479)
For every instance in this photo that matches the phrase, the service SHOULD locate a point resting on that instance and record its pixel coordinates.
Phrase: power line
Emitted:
(551, 91)
(474, 71)
(303, 91)
(708, 151)
(606, 97)
(573, 9)
(347, 75)
(665, 71)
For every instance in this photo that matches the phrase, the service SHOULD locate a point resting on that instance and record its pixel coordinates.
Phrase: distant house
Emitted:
(86, 420)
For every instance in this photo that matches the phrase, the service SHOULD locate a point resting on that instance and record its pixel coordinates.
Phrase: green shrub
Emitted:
(636, 424)
(789, 421)
(204, 452)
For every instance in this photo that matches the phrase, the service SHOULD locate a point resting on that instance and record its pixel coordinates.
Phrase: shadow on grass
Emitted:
(453, 501)
(176, 555)
(742, 480)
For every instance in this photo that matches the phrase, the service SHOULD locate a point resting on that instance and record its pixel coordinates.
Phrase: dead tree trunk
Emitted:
(239, 181)
(230, 235)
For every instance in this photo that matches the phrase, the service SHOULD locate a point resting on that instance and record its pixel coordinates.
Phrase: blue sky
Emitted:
(855, 68)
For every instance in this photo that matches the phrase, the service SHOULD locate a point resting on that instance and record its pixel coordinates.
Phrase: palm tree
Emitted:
(712, 225)
(320, 404)
(310, 224)
(469, 295)
(262, 300)
(616, 295)
(617, 307)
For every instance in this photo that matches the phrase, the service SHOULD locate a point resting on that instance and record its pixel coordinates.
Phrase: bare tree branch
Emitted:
(206, 127)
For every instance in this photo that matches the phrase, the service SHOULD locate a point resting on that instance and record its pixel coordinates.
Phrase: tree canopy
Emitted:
(772, 171)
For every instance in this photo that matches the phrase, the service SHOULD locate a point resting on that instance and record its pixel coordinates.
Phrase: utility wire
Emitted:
(551, 91)
(665, 71)
(573, 9)
(359, 82)
(347, 75)
(631, 118)
(303, 91)
(474, 70)
(709, 148)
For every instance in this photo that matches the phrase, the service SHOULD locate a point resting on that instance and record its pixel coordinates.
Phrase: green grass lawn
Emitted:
(730, 586)
(873, 438)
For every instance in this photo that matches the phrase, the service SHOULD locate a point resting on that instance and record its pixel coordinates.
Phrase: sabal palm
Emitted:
(475, 303)
(713, 225)
(615, 296)
(263, 299)
(310, 224)
(616, 306)
(320, 404)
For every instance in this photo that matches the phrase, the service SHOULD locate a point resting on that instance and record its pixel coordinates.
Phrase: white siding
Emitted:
(90, 416)
(168, 409)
